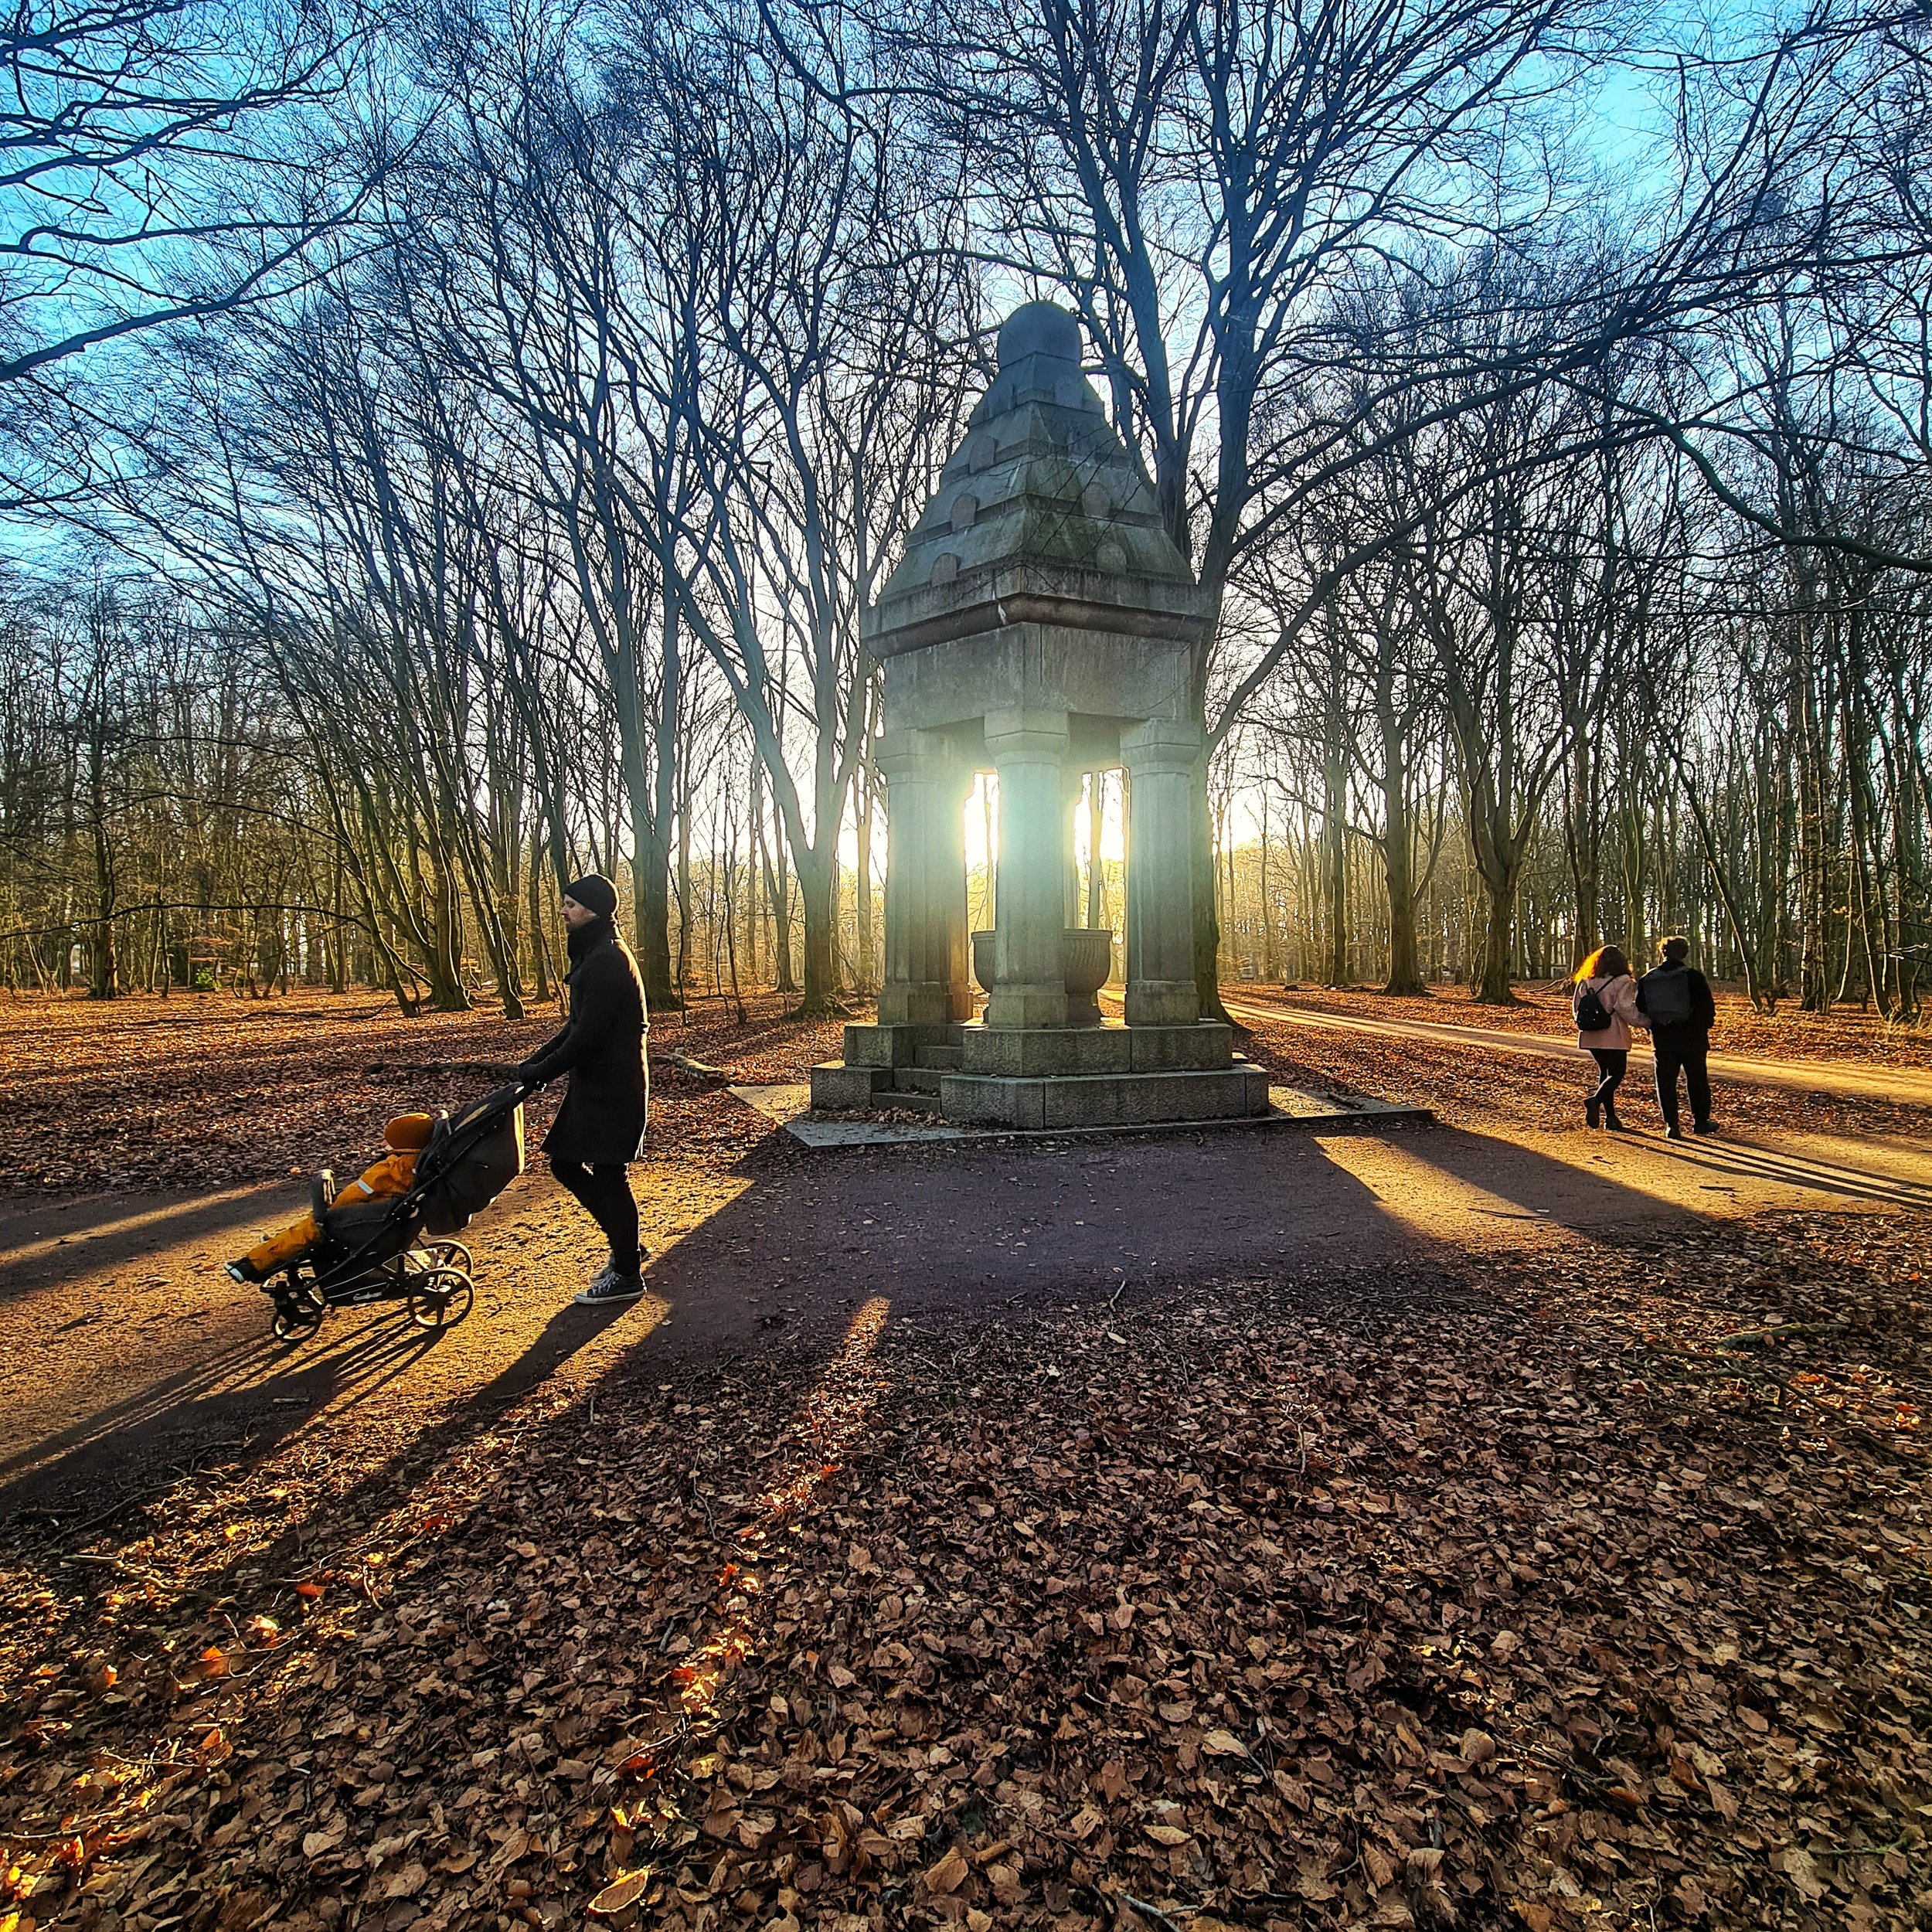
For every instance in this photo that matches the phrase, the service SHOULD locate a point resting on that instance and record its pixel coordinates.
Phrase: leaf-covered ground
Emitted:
(1581, 1581)
(1582, 1585)
(209, 1091)
(1846, 1033)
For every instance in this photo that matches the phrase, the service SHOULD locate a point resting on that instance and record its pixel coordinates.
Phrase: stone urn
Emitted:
(983, 959)
(1086, 957)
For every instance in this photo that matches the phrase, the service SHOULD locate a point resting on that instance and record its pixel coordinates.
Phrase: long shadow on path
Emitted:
(938, 1232)
(932, 1234)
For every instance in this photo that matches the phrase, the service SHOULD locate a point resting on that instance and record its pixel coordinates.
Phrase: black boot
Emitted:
(1592, 1112)
(1610, 1121)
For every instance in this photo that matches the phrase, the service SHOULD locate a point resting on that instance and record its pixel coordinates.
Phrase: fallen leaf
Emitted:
(946, 1875)
(624, 1889)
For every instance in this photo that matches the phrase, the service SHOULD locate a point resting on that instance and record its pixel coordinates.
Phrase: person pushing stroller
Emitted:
(405, 1137)
(599, 1127)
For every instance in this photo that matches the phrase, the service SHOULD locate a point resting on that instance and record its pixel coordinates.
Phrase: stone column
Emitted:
(925, 881)
(1160, 757)
(1029, 987)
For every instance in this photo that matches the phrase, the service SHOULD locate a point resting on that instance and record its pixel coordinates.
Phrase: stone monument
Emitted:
(1039, 626)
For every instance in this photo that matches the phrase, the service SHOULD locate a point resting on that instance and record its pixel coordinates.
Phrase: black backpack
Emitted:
(1666, 995)
(1593, 1016)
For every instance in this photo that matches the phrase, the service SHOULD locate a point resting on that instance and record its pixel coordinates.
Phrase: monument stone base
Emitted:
(1040, 1078)
(895, 1065)
(1103, 1100)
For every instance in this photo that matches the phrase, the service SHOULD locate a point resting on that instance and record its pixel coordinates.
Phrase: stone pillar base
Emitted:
(1162, 1002)
(1026, 1006)
(918, 1002)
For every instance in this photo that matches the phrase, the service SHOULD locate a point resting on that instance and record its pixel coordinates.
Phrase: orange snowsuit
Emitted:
(406, 1136)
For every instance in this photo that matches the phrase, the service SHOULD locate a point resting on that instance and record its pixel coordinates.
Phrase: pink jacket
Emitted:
(1619, 996)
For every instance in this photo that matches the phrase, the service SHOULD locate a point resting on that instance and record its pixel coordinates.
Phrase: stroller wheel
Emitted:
(440, 1298)
(297, 1314)
(441, 1253)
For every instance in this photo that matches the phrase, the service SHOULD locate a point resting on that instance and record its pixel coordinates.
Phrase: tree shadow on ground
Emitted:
(937, 1235)
(1757, 1161)
(45, 1240)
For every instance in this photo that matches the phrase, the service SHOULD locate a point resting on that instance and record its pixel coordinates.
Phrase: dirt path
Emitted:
(126, 1355)
(1844, 1078)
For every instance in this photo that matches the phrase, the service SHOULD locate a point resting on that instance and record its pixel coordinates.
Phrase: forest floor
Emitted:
(1847, 1035)
(1491, 1523)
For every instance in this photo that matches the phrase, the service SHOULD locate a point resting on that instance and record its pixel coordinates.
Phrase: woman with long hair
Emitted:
(1603, 998)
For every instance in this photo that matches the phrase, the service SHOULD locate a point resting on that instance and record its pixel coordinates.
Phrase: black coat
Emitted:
(603, 1116)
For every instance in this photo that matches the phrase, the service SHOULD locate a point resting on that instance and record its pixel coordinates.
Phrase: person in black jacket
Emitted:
(1677, 999)
(598, 1128)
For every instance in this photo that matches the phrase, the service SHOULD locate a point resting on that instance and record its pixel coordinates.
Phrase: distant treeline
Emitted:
(449, 454)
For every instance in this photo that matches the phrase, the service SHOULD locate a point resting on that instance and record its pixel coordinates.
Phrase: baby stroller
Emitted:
(399, 1250)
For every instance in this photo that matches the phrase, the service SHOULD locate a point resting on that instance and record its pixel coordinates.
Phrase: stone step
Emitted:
(909, 1102)
(1107, 1099)
(896, 1046)
(916, 1079)
(941, 1059)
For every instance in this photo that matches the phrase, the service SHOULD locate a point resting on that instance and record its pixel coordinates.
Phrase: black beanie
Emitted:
(595, 893)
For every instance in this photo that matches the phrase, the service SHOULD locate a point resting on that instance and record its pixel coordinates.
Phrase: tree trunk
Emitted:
(1398, 871)
(651, 914)
(818, 880)
(1335, 854)
(1492, 986)
(653, 857)
(539, 941)
(778, 881)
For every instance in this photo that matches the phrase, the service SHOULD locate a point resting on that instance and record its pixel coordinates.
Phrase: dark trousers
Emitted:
(1686, 1056)
(1611, 1062)
(604, 1191)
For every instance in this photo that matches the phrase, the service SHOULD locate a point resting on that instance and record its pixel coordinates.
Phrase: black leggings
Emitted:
(1611, 1062)
(604, 1191)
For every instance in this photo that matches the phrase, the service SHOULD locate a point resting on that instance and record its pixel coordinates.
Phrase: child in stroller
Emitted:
(405, 1137)
(368, 1243)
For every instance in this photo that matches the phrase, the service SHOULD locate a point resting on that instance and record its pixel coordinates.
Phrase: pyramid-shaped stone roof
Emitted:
(1040, 515)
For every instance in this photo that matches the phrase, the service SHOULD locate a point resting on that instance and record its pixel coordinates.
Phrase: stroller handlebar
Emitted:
(511, 1093)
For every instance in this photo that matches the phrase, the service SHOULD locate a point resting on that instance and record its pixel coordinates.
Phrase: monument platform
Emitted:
(1290, 1109)
(1042, 1078)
